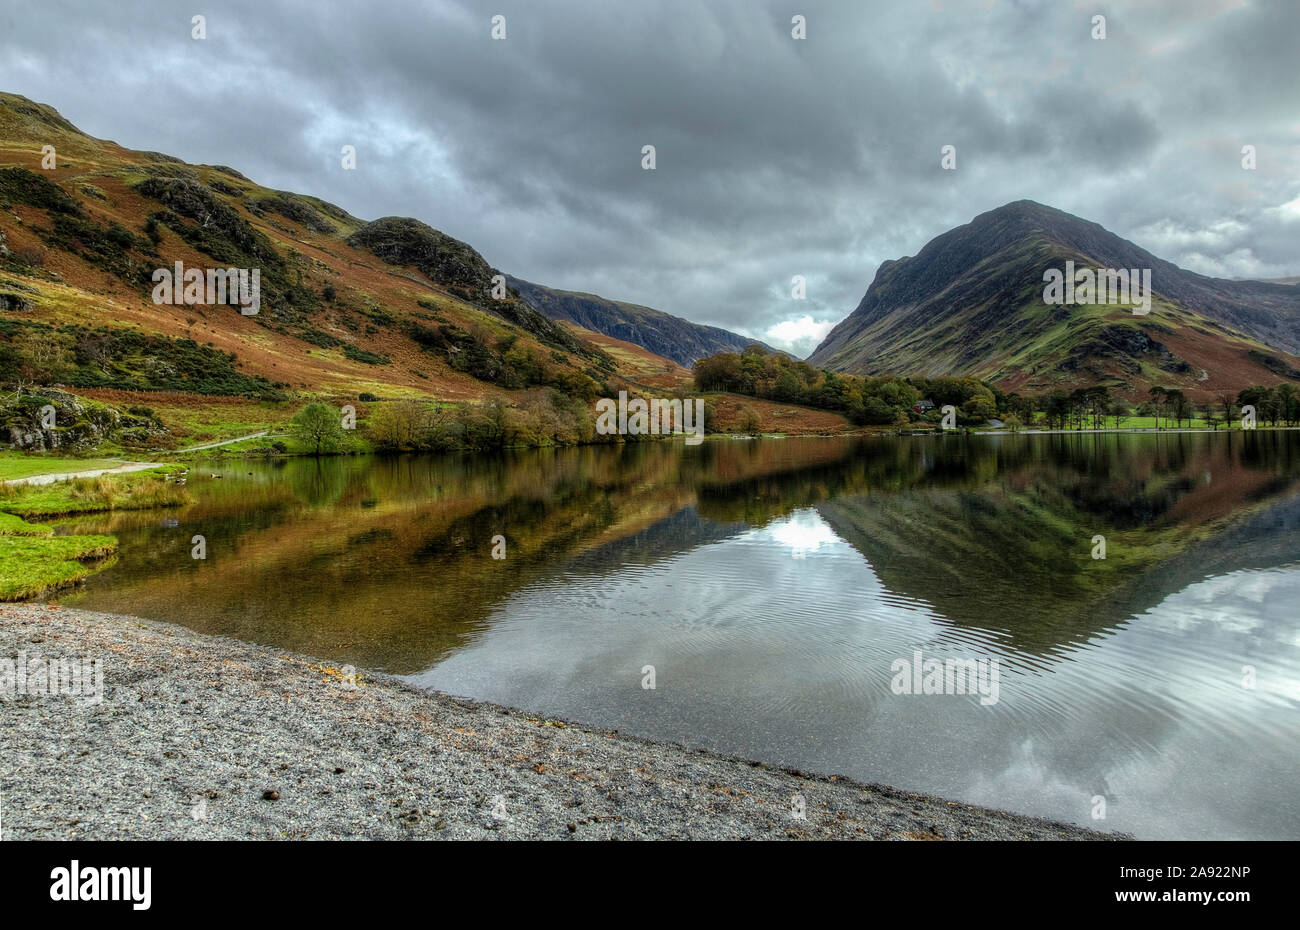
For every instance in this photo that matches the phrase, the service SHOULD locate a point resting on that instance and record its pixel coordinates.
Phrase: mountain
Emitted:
(391, 307)
(453, 264)
(971, 303)
(662, 333)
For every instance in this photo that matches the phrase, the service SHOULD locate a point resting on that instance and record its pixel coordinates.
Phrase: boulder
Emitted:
(78, 425)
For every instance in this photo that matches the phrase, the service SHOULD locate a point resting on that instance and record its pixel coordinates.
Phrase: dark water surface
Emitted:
(772, 585)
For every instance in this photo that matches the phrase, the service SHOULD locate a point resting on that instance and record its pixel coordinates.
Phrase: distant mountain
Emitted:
(971, 303)
(1271, 280)
(662, 333)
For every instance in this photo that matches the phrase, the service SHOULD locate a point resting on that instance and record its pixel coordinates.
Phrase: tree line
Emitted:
(894, 401)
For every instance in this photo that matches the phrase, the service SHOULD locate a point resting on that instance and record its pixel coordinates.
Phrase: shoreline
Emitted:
(204, 737)
(1131, 429)
(163, 458)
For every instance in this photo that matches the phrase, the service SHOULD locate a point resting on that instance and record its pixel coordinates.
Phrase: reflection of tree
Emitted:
(319, 482)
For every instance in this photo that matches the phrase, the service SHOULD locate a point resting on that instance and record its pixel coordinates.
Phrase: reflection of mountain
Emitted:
(1014, 552)
(1267, 538)
(384, 566)
(386, 563)
(680, 532)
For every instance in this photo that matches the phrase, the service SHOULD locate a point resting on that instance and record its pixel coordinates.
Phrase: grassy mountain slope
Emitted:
(390, 307)
(971, 303)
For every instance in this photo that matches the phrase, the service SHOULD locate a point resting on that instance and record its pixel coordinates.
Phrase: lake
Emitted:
(778, 591)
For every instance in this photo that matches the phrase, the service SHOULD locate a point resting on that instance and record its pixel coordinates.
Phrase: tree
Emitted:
(1159, 397)
(977, 410)
(1119, 410)
(1092, 402)
(1180, 408)
(1288, 402)
(789, 386)
(719, 372)
(875, 411)
(320, 426)
(1056, 409)
(1207, 413)
(1255, 396)
(1022, 407)
(1228, 407)
(401, 425)
(44, 356)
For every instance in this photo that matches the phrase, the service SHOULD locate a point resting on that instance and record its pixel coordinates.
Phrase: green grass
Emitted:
(33, 560)
(135, 491)
(11, 525)
(32, 565)
(14, 465)
(212, 423)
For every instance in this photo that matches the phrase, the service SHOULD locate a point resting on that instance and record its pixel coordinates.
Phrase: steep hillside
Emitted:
(637, 362)
(971, 303)
(663, 334)
(391, 307)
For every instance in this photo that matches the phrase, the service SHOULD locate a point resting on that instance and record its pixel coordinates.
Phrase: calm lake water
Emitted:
(773, 585)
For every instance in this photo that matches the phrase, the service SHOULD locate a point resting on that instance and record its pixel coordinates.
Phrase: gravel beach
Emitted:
(201, 737)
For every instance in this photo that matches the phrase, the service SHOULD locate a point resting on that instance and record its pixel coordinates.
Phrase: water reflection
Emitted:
(772, 583)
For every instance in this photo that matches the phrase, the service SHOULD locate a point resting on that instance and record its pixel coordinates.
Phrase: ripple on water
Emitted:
(769, 645)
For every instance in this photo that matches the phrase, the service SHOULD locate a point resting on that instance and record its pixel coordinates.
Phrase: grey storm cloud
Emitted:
(776, 157)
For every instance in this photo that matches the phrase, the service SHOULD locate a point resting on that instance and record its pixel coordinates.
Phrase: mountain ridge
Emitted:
(203, 214)
(970, 303)
(672, 337)
(391, 306)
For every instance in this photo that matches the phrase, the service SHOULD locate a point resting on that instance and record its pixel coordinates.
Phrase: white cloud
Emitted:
(1288, 212)
(799, 336)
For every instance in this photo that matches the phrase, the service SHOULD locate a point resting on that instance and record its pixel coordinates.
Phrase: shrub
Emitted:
(361, 355)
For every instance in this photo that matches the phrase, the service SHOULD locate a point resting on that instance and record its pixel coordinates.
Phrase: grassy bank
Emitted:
(140, 490)
(34, 561)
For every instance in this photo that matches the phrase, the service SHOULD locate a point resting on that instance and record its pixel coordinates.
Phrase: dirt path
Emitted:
(224, 442)
(122, 469)
(126, 467)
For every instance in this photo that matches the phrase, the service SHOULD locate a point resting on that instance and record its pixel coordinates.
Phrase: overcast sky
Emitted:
(775, 156)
